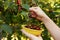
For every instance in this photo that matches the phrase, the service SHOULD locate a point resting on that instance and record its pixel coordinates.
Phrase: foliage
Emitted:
(13, 15)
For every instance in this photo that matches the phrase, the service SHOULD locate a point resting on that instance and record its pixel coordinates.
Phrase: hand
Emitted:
(50, 25)
(40, 14)
(32, 37)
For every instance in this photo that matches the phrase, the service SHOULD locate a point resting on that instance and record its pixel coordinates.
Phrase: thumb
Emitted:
(27, 34)
(40, 37)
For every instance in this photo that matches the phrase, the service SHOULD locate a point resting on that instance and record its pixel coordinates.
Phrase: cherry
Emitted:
(19, 5)
(33, 27)
(32, 14)
(26, 26)
(37, 28)
(18, 2)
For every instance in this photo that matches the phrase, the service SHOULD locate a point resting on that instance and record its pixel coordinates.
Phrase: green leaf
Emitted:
(0, 0)
(6, 28)
(1, 21)
(36, 1)
(24, 13)
(6, 5)
(4, 34)
(26, 6)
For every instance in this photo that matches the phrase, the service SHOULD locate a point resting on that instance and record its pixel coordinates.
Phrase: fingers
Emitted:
(38, 18)
(31, 36)
(37, 10)
(27, 34)
(33, 9)
(40, 38)
(33, 16)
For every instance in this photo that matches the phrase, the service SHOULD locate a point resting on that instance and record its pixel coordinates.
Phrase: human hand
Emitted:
(32, 37)
(38, 13)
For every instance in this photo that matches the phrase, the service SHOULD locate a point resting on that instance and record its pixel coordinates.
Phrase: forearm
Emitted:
(52, 28)
(50, 25)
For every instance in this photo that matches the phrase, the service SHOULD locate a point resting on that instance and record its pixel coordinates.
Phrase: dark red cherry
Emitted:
(33, 27)
(37, 28)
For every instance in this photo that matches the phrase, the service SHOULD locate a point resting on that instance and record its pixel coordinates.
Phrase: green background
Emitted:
(11, 18)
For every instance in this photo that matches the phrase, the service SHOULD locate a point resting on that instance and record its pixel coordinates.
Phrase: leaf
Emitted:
(6, 28)
(24, 13)
(26, 6)
(36, 1)
(4, 34)
(1, 21)
(6, 5)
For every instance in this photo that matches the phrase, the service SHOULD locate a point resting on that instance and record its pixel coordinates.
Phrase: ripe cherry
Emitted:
(37, 28)
(18, 2)
(32, 14)
(33, 27)
(26, 26)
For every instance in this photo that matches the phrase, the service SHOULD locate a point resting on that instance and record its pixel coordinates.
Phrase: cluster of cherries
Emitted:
(33, 27)
(19, 5)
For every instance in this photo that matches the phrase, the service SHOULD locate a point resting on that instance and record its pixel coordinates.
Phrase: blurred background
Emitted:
(14, 13)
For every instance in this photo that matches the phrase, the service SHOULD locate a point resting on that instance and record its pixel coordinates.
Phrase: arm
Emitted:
(52, 28)
(50, 25)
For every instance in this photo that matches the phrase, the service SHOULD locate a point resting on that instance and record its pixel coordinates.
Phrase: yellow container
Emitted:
(32, 31)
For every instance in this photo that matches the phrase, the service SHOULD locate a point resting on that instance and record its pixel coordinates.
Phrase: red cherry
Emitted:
(32, 14)
(18, 2)
(26, 26)
(33, 27)
(37, 28)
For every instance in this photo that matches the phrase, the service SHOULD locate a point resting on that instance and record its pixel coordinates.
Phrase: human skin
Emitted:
(49, 24)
